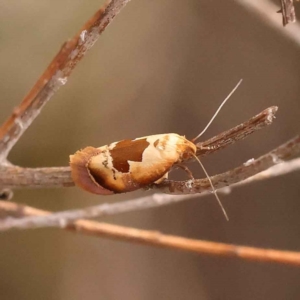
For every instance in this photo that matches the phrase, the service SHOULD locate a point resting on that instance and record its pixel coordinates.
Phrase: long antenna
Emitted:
(222, 104)
(213, 188)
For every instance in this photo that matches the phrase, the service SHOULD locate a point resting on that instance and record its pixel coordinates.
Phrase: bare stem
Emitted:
(56, 75)
(267, 9)
(237, 133)
(15, 177)
(288, 12)
(157, 239)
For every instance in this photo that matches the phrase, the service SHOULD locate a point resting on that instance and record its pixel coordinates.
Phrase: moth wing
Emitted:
(80, 172)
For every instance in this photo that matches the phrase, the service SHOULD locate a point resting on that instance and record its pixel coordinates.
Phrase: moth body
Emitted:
(129, 165)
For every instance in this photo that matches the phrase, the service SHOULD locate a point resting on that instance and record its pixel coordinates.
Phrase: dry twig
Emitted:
(237, 133)
(266, 10)
(157, 239)
(288, 12)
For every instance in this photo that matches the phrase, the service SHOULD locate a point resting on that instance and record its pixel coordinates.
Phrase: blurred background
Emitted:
(162, 66)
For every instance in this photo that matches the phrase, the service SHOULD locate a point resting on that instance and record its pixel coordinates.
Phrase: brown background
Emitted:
(162, 66)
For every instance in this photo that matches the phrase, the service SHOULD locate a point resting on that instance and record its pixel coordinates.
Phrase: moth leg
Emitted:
(187, 170)
(158, 181)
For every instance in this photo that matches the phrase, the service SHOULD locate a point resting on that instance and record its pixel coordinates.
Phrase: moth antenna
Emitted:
(218, 110)
(212, 187)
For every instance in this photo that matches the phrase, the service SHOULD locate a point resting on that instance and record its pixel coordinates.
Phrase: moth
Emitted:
(129, 165)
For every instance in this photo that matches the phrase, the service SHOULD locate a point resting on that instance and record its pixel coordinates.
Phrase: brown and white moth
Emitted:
(129, 165)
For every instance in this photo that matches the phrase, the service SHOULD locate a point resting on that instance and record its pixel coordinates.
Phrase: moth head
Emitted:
(186, 148)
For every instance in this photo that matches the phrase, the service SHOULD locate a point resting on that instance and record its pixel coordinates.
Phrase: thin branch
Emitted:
(278, 170)
(157, 239)
(288, 12)
(236, 175)
(237, 133)
(17, 177)
(56, 75)
(266, 10)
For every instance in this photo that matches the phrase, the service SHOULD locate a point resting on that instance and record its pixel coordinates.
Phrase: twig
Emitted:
(267, 11)
(17, 177)
(278, 170)
(239, 174)
(56, 75)
(157, 239)
(237, 133)
(288, 12)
